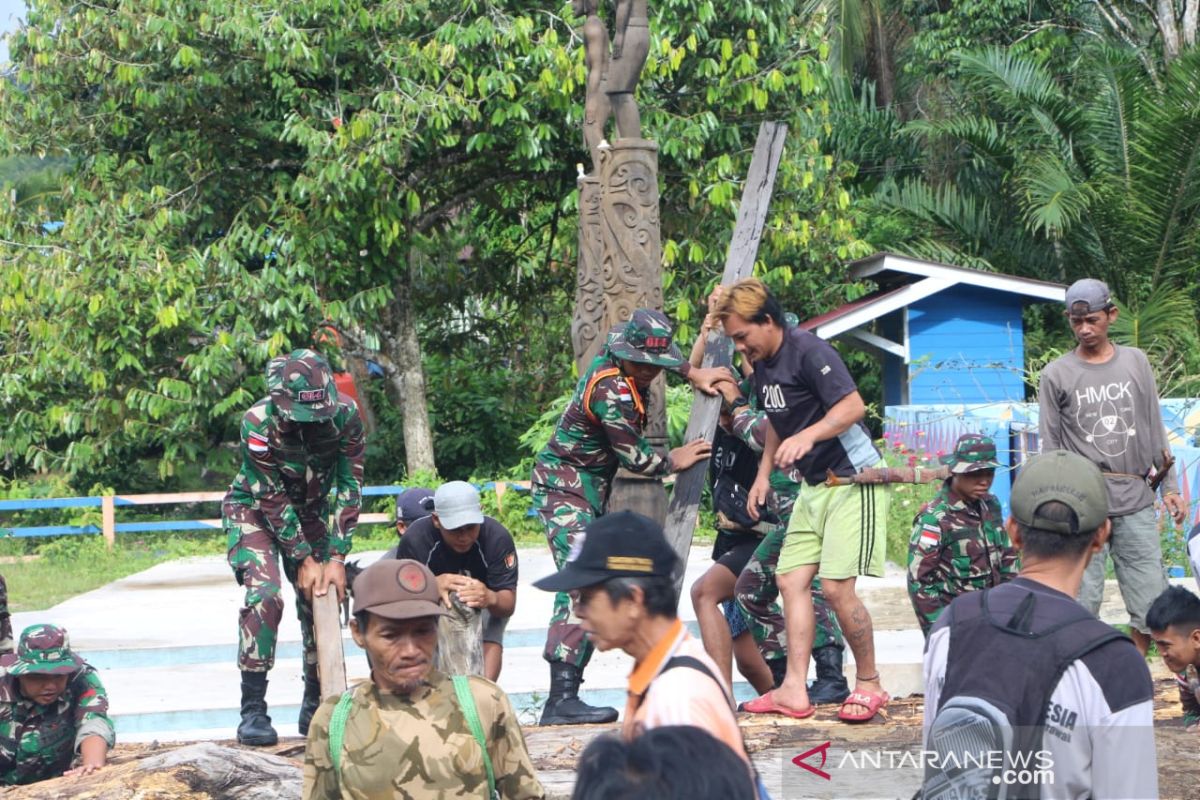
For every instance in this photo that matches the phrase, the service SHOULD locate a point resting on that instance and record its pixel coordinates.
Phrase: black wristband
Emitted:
(739, 402)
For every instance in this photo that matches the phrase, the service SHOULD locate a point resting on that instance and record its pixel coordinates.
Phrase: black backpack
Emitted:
(987, 732)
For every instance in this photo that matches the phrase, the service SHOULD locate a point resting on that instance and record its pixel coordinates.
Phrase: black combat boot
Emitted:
(255, 729)
(308, 706)
(830, 685)
(564, 707)
(778, 667)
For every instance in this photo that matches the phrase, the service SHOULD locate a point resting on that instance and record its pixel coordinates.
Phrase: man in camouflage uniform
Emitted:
(601, 430)
(958, 541)
(53, 708)
(6, 640)
(406, 734)
(756, 592)
(298, 445)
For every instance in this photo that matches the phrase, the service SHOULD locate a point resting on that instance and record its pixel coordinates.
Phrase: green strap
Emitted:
(466, 701)
(337, 729)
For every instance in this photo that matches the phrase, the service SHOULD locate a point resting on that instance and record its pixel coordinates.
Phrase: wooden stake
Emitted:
(331, 660)
(718, 350)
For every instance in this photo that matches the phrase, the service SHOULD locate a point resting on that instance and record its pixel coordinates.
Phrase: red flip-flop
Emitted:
(767, 705)
(874, 702)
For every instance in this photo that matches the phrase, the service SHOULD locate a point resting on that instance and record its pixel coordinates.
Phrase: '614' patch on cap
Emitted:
(302, 387)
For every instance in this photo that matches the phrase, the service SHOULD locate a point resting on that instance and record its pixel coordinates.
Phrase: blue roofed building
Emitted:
(943, 334)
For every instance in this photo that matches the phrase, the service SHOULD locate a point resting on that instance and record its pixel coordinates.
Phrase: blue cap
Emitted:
(413, 504)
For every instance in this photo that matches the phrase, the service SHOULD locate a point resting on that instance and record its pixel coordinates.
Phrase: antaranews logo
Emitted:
(801, 760)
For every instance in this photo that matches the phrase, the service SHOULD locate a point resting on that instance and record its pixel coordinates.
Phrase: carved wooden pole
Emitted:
(620, 270)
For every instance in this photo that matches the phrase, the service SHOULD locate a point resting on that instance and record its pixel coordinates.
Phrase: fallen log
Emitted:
(203, 771)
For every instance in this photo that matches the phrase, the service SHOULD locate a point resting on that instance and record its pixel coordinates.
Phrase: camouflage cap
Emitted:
(275, 374)
(44, 650)
(973, 452)
(646, 339)
(304, 390)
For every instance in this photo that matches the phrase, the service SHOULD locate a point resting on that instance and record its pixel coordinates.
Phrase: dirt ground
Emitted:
(773, 742)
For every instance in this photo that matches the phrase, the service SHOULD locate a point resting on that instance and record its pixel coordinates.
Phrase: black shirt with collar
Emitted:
(492, 559)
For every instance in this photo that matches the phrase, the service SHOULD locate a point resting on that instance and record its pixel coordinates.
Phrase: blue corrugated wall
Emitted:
(966, 346)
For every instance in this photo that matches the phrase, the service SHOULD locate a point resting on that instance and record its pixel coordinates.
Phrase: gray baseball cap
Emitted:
(1068, 478)
(1087, 296)
(457, 504)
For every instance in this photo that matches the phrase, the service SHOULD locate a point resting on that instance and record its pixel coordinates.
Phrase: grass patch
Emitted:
(65, 566)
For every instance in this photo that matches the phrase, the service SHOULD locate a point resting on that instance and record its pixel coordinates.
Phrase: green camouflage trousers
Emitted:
(564, 516)
(254, 557)
(758, 596)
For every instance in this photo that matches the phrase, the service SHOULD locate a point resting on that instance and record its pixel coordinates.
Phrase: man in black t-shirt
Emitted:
(838, 532)
(471, 555)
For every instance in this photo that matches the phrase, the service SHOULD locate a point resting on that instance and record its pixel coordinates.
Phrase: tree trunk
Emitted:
(407, 378)
(880, 58)
(1191, 13)
(1165, 18)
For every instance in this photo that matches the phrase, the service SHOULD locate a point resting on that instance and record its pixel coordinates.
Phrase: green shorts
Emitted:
(841, 528)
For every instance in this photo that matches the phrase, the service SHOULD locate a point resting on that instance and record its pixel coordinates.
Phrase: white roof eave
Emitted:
(889, 262)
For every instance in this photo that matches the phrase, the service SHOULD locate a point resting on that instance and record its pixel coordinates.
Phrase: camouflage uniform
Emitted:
(600, 430)
(957, 545)
(6, 640)
(419, 747)
(756, 591)
(38, 742)
(1189, 695)
(278, 505)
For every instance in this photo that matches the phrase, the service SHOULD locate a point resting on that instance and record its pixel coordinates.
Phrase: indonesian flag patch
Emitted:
(930, 536)
(510, 560)
(257, 443)
(623, 392)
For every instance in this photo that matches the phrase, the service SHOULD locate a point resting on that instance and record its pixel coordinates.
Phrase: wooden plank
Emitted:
(168, 498)
(108, 520)
(718, 350)
(331, 660)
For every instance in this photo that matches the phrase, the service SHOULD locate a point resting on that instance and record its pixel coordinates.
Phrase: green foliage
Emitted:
(239, 173)
(1058, 178)
(755, 62)
(514, 513)
(942, 30)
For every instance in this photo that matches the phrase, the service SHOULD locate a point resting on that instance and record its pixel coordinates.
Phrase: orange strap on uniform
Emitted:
(611, 372)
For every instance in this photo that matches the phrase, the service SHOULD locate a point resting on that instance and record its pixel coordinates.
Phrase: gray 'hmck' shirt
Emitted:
(1109, 414)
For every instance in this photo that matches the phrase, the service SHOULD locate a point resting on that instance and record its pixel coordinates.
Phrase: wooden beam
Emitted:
(876, 344)
(331, 660)
(718, 350)
(108, 520)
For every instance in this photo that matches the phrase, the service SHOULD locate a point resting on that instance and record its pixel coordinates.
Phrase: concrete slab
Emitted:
(165, 643)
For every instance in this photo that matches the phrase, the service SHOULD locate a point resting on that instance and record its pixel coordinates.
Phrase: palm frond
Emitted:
(847, 28)
(965, 218)
(1165, 319)
(1166, 172)
(1024, 87)
(1052, 199)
